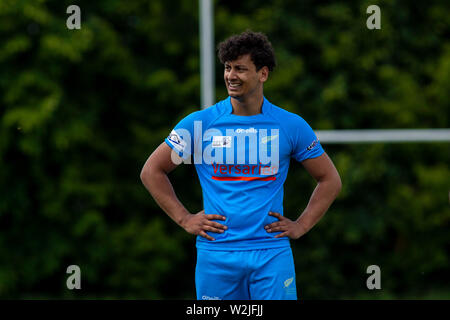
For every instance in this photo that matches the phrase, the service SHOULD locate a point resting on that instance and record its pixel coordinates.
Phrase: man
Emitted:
(241, 148)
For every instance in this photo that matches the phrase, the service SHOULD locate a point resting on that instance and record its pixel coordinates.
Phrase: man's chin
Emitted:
(235, 95)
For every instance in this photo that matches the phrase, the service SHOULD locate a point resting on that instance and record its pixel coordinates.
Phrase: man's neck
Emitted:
(247, 107)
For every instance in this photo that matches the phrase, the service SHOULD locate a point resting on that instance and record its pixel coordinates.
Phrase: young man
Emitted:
(241, 148)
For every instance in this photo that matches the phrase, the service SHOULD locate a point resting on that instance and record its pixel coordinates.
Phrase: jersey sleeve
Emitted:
(306, 145)
(181, 138)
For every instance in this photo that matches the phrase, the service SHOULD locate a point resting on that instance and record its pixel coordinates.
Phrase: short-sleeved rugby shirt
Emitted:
(242, 163)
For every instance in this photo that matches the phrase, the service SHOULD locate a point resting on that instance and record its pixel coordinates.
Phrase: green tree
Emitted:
(81, 110)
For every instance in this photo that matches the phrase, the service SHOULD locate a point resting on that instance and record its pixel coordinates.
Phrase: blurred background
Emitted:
(81, 110)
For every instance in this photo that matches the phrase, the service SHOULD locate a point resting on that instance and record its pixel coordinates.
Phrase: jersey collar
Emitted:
(264, 110)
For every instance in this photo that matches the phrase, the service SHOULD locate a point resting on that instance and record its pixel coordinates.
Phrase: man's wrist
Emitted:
(303, 225)
(183, 219)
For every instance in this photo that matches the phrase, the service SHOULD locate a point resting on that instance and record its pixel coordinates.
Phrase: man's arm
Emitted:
(328, 187)
(155, 179)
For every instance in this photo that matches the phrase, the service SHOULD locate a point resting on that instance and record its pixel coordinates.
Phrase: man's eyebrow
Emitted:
(237, 65)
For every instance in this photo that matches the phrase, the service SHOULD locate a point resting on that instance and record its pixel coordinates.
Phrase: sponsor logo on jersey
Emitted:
(313, 144)
(289, 289)
(249, 130)
(178, 143)
(224, 172)
(221, 142)
(210, 298)
(288, 282)
(268, 138)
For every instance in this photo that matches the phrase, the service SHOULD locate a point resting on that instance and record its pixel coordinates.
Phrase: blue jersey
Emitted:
(242, 163)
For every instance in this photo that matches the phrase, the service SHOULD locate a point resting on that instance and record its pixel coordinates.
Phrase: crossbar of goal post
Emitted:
(382, 135)
(206, 24)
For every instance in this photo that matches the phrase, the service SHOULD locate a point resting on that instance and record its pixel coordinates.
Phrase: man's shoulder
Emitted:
(287, 118)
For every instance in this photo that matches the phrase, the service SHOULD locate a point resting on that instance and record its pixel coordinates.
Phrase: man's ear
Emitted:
(263, 74)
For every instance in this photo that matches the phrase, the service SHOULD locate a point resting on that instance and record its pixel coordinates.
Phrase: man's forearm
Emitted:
(321, 199)
(159, 186)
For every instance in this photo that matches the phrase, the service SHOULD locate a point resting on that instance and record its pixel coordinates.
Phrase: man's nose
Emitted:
(232, 74)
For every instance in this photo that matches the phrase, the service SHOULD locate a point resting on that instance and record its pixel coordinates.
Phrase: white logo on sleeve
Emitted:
(178, 143)
(313, 144)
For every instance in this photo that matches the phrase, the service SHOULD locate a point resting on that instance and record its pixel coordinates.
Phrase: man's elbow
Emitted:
(143, 175)
(333, 181)
(338, 184)
(146, 173)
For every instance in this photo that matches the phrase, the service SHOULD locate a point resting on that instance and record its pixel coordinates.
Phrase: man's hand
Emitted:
(200, 222)
(289, 228)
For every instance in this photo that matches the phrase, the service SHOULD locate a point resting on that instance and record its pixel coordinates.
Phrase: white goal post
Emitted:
(383, 135)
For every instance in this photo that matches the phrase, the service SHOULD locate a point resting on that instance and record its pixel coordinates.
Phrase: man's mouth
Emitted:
(234, 85)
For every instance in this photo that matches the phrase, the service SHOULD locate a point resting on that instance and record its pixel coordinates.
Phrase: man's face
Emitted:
(241, 77)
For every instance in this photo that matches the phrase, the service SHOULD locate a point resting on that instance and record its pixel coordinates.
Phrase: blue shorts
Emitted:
(266, 274)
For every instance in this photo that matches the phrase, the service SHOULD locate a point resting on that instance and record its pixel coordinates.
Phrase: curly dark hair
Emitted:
(248, 42)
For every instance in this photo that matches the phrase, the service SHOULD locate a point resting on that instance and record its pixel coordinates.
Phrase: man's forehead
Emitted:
(243, 60)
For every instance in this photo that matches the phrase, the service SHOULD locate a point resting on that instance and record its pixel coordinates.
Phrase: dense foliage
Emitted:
(81, 110)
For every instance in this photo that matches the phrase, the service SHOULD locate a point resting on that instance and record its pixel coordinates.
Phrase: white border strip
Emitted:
(394, 135)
